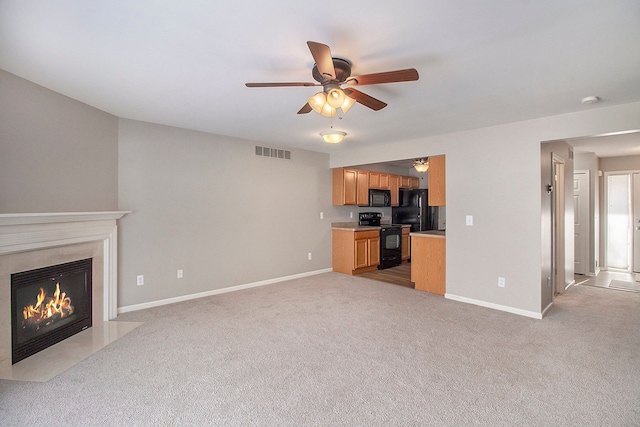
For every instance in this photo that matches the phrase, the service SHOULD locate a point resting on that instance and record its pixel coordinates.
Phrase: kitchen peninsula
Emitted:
(428, 261)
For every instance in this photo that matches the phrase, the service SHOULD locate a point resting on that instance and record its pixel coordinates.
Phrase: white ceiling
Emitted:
(185, 63)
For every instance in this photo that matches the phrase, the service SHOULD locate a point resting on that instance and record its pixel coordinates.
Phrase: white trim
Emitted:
(570, 284)
(494, 306)
(23, 232)
(158, 303)
(546, 309)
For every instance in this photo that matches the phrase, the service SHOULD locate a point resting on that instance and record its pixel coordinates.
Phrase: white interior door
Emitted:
(619, 221)
(581, 221)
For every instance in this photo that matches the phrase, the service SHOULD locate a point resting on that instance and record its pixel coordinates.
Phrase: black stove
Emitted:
(390, 239)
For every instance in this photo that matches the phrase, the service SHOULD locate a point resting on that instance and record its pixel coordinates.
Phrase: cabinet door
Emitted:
(362, 188)
(414, 182)
(374, 251)
(361, 253)
(394, 186)
(350, 180)
(384, 181)
(406, 243)
(437, 184)
(405, 182)
(374, 180)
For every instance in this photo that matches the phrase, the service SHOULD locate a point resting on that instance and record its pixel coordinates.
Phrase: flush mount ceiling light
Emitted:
(421, 165)
(333, 136)
(590, 100)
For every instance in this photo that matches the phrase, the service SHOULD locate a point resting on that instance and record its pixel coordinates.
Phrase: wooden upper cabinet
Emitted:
(349, 187)
(409, 182)
(394, 186)
(437, 183)
(379, 180)
(362, 188)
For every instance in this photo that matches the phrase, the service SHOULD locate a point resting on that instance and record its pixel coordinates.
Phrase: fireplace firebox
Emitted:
(49, 305)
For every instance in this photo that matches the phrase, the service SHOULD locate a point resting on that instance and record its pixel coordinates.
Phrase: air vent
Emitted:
(273, 152)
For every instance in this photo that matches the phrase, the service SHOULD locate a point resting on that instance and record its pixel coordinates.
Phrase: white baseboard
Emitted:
(494, 306)
(547, 309)
(570, 284)
(136, 307)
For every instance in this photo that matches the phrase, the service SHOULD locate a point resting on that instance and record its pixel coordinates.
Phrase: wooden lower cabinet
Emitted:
(406, 244)
(428, 263)
(354, 252)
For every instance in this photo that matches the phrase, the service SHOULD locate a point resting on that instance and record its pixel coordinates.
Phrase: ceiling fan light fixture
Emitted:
(328, 111)
(348, 103)
(335, 97)
(317, 102)
(421, 165)
(333, 136)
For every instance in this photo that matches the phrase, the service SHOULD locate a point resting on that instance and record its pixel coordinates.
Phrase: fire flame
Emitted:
(60, 305)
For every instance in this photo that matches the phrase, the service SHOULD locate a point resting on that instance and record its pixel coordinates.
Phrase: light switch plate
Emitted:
(469, 220)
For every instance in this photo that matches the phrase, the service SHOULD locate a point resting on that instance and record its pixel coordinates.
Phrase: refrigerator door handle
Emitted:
(419, 201)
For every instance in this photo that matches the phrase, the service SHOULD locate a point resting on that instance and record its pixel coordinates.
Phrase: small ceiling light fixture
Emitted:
(333, 136)
(590, 100)
(421, 165)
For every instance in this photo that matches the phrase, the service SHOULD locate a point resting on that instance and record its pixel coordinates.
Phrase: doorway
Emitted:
(622, 201)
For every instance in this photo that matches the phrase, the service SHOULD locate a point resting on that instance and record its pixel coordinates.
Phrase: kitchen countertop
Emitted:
(355, 227)
(428, 233)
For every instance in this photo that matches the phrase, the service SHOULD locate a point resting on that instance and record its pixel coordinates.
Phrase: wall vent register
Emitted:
(273, 152)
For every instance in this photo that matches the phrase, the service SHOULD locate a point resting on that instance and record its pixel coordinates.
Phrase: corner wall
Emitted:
(56, 154)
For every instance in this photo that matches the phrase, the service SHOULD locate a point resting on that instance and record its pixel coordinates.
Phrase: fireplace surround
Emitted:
(35, 240)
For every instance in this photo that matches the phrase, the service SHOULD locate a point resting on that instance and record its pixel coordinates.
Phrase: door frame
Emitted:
(586, 192)
(558, 225)
(606, 218)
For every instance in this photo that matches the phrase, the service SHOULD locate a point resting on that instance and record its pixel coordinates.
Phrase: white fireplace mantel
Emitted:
(33, 231)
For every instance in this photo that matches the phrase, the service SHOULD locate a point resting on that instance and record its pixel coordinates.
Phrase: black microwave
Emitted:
(379, 197)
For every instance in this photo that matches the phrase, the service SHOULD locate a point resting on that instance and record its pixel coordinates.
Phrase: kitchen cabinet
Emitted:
(428, 261)
(350, 187)
(354, 252)
(409, 182)
(394, 186)
(379, 180)
(406, 244)
(437, 185)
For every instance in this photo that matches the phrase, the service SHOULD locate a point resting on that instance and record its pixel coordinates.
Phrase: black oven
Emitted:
(390, 246)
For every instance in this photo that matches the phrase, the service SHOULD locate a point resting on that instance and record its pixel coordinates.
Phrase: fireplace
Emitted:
(49, 305)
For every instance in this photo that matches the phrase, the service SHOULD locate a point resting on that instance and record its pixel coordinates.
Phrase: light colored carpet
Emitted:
(627, 286)
(336, 350)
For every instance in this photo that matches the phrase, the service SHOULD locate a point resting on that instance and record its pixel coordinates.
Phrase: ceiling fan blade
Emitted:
(364, 99)
(324, 62)
(408, 75)
(284, 84)
(305, 109)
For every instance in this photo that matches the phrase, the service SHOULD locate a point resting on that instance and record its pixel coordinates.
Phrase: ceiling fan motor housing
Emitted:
(343, 71)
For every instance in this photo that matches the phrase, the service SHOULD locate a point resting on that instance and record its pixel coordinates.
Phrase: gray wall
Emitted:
(56, 154)
(208, 205)
(494, 174)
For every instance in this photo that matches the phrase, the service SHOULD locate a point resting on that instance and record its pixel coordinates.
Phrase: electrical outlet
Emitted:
(501, 282)
(321, 215)
(469, 220)
(140, 280)
(350, 214)
(180, 274)
(309, 256)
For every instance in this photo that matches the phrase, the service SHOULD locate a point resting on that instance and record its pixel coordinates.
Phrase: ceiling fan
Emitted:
(331, 73)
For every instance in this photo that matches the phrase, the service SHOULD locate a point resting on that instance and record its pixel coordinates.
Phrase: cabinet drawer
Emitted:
(366, 234)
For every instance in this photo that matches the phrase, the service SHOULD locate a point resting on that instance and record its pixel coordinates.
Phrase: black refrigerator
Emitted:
(414, 210)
